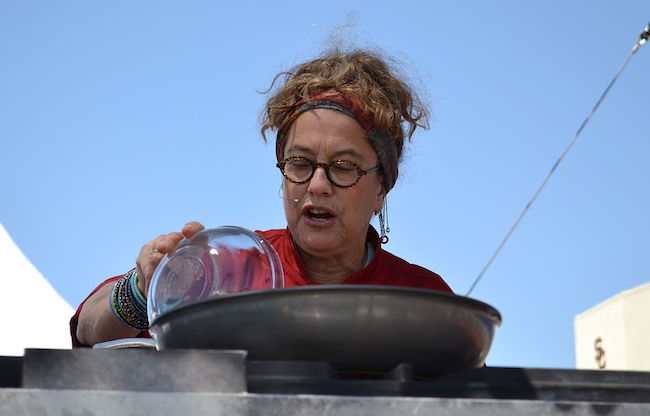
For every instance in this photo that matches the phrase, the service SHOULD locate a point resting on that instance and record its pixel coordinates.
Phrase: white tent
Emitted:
(32, 313)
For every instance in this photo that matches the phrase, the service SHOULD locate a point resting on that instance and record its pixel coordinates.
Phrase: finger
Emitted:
(145, 250)
(147, 262)
(148, 268)
(167, 243)
(191, 228)
(145, 254)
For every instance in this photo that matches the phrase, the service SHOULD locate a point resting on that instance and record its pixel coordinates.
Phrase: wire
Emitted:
(643, 38)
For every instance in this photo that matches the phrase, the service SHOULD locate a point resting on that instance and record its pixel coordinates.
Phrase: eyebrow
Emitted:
(335, 155)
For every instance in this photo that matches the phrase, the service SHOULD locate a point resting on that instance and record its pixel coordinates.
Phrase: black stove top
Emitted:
(231, 372)
(488, 382)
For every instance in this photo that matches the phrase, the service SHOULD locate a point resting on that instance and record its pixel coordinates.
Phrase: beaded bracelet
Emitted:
(125, 307)
(135, 290)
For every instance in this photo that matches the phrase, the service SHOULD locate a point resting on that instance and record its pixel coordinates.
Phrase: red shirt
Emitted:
(384, 269)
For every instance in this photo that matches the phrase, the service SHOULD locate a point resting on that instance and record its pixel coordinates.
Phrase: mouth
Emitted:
(318, 215)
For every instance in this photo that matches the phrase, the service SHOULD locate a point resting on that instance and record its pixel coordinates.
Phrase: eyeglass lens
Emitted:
(341, 172)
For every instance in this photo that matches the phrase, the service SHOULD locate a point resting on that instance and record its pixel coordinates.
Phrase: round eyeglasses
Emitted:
(341, 173)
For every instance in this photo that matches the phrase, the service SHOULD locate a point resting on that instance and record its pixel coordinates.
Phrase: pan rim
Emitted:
(459, 300)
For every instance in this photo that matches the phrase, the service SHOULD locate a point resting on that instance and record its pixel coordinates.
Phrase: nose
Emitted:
(320, 183)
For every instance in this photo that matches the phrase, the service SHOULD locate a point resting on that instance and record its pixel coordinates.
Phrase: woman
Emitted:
(341, 121)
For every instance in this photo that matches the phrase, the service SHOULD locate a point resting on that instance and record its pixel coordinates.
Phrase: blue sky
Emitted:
(122, 121)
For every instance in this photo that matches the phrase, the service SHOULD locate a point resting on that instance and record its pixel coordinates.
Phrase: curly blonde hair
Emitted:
(389, 103)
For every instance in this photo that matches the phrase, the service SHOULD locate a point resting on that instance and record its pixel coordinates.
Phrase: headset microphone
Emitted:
(281, 195)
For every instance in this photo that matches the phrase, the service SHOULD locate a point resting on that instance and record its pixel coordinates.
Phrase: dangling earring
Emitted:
(384, 228)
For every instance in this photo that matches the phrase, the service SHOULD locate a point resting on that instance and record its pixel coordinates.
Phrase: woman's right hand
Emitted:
(96, 322)
(152, 252)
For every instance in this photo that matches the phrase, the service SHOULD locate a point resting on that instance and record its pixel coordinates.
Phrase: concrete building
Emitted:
(32, 313)
(615, 334)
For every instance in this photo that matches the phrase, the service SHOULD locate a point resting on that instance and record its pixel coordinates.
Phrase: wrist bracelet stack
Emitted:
(127, 303)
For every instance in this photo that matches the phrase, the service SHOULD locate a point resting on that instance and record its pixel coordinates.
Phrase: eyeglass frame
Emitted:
(326, 167)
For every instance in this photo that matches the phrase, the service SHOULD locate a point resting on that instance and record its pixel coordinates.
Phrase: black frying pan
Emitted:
(358, 327)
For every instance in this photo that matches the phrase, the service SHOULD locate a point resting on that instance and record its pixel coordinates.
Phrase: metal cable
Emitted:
(643, 38)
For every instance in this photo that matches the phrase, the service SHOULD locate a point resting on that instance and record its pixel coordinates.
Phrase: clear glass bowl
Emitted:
(213, 263)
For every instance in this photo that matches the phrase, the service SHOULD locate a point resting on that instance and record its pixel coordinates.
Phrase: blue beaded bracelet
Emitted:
(135, 290)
